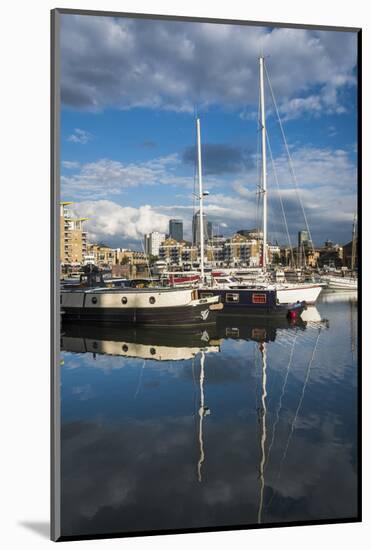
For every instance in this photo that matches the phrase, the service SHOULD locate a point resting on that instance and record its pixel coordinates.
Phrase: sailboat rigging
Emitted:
(286, 293)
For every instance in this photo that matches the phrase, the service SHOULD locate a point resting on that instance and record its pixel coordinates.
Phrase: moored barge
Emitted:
(253, 302)
(145, 306)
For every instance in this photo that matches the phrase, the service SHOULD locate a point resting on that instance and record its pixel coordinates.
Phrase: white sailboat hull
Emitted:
(298, 293)
(341, 283)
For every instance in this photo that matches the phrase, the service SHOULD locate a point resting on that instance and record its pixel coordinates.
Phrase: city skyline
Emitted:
(128, 137)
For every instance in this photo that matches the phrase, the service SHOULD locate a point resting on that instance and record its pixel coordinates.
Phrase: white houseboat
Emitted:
(145, 306)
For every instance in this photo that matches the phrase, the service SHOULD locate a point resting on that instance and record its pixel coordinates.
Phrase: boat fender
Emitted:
(292, 314)
(216, 307)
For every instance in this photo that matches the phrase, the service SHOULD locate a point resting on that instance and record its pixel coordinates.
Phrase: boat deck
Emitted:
(114, 290)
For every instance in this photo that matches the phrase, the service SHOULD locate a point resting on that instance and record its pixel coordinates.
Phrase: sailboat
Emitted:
(342, 281)
(287, 293)
(239, 299)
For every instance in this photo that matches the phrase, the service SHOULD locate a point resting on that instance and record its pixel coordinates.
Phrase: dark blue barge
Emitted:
(247, 301)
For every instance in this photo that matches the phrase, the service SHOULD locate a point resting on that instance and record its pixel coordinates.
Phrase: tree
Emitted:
(276, 258)
(152, 259)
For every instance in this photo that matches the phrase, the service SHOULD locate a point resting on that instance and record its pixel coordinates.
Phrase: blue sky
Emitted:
(129, 92)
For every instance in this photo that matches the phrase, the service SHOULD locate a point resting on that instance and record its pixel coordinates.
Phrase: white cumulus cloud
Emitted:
(106, 177)
(108, 220)
(80, 136)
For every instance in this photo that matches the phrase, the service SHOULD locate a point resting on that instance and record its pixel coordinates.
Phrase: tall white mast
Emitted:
(264, 160)
(201, 197)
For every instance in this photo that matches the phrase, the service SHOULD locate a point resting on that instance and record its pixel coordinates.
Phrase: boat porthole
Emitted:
(94, 300)
(152, 351)
(95, 345)
(125, 348)
(124, 300)
(152, 300)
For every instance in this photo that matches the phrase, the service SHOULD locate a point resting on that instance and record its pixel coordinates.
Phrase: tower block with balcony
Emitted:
(73, 246)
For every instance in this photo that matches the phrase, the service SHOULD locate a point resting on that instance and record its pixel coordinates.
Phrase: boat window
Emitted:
(206, 294)
(232, 297)
(259, 298)
(124, 300)
(94, 300)
(152, 351)
(152, 300)
(222, 281)
(232, 332)
(125, 348)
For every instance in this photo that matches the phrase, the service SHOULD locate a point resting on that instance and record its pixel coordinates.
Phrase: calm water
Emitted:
(241, 424)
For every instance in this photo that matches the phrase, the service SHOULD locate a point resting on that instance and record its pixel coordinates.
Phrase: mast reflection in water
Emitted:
(239, 424)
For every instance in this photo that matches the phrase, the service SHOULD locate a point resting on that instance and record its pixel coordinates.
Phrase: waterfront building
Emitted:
(241, 250)
(274, 254)
(170, 251)
(73, 244)
(287, 256)
(189, 252)
(303, 239)
(196, 228)
(104, 256)
(311, 257)
(330, 255)
(132, 257)
(215, 252)
(219, 240)
(209, 230)
(107, 257)
(176, 229)
(252, 234)
(298, 257)
(152, 242)
(304, 243)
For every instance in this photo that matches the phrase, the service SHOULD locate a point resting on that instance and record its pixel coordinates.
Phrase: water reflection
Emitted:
(332, 296)
(143, 343)
(245, 423)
